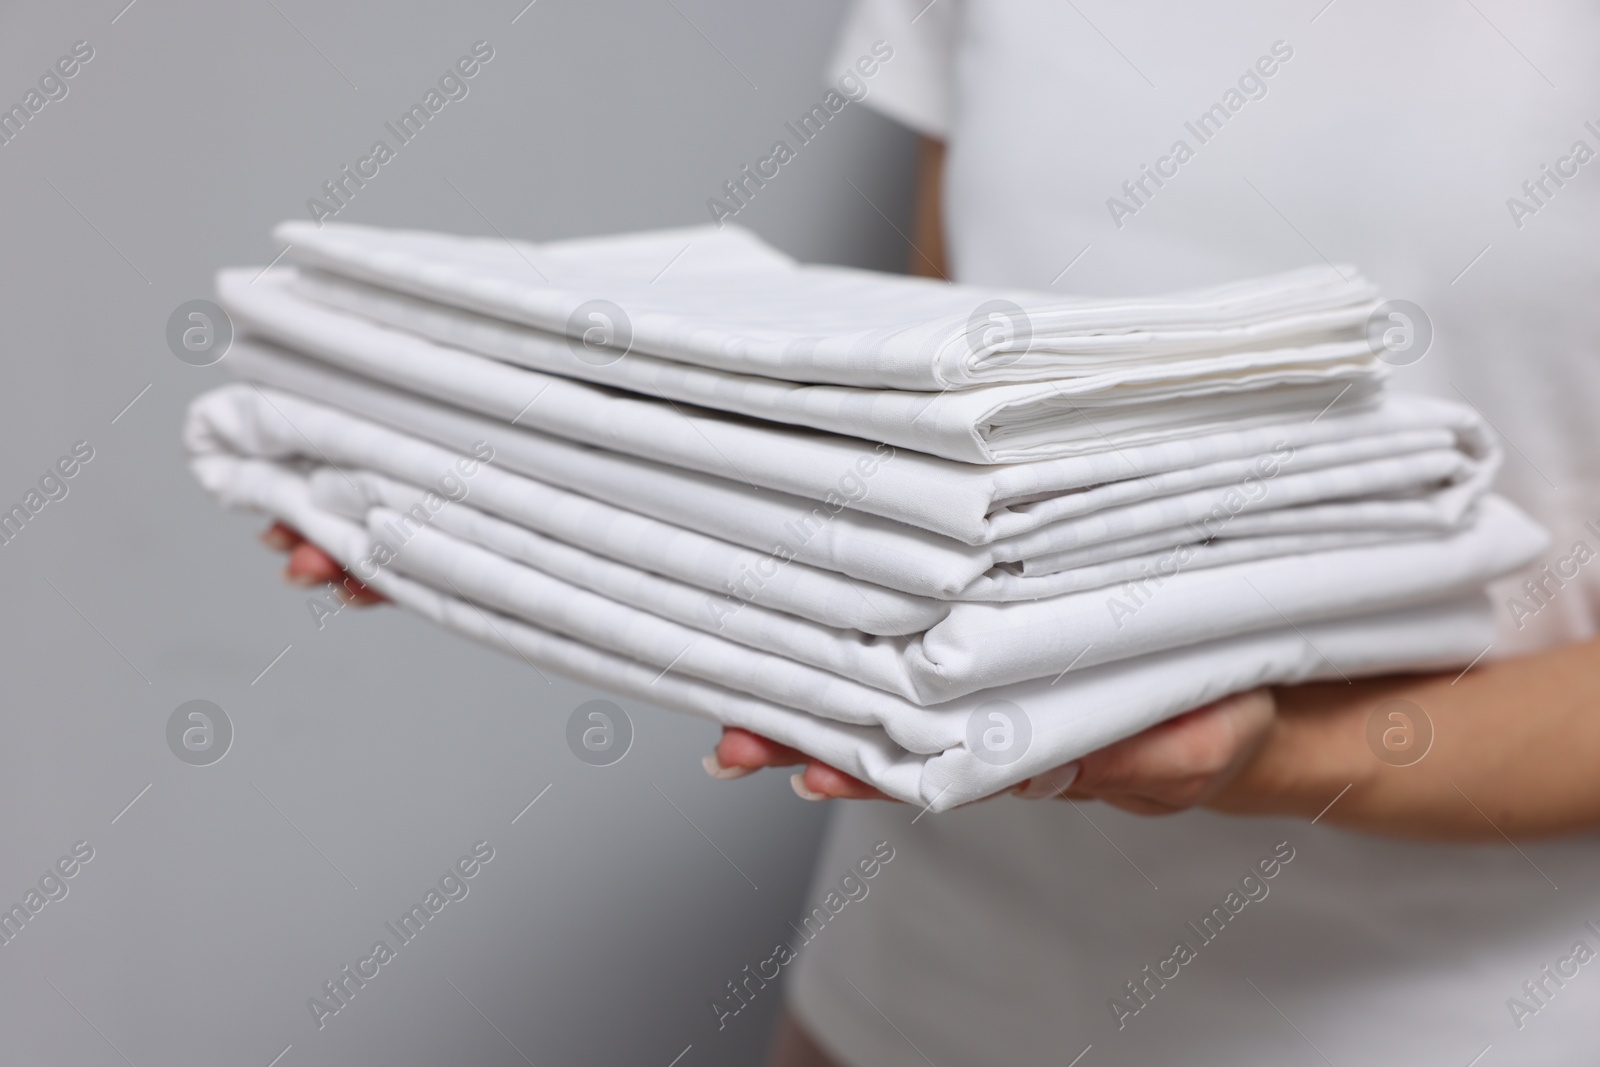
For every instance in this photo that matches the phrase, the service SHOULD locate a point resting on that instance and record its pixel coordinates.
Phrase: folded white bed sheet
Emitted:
(987, 424)
(968, 503)
(841, 673)
(906, 664)
(849, 676)
(990, 424)
(735, 574)
(726, 300)
(863, 547)
(920, 755)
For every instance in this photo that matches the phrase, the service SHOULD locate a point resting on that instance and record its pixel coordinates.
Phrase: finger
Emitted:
(1200, 742)
(740, 752)
(315, 567)
(1160, 761)
(309, 565)
(742, 748)
(353, 592)
(822, 782)
(1179, 763)
(1052, 783)
(281, 537)
(1184, 763)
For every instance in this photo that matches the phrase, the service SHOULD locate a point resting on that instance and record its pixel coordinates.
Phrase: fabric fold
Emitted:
(824, 534)
(969, 502)
(987, 424)
(755, 312)
(1076, 714)
(842, 673)
(867, 516)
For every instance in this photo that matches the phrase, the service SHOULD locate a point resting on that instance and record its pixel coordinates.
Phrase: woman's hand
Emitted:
(1174, 765)
(1505, 751)
(1511, 753)
(310, 566)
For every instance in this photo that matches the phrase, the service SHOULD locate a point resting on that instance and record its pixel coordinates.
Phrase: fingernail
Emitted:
(797, 781)
(306, 581)
(716, 769)
(273, 537)
(1051, 783)
(350, 591)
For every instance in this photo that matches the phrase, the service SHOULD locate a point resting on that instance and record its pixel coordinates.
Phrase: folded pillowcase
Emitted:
(976, 647)
(983, 425)
(971, 504)
(986, 425)
(760, 314)
(862, 547)
(839, 674)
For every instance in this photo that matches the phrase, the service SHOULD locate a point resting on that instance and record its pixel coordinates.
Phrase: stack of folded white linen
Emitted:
(941, 537)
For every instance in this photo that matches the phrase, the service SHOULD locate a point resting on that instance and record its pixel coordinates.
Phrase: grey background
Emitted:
(376, 751)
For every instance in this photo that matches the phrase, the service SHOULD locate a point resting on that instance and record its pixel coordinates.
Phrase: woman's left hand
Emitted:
(1177, 764)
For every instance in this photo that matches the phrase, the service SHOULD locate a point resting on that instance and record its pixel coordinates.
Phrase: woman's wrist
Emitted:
(1315, 755)
(1506, 751)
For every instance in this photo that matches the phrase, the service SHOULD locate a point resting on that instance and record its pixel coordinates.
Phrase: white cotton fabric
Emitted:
(750, 310)
(863, 547)
(990, 424)
(854, 561)
(975, 648)
(917, 754)
(967, 502)
(840, 674)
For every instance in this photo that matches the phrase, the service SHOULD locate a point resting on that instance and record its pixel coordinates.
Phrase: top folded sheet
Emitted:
(723, 299)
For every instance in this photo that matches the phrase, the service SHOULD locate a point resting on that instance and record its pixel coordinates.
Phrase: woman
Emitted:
(1398, 140)
(1442, 911)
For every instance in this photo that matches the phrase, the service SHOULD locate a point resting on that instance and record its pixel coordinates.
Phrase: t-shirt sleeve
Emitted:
(911, 86)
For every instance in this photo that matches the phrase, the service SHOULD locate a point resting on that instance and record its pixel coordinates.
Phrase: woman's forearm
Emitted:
(1515, 752)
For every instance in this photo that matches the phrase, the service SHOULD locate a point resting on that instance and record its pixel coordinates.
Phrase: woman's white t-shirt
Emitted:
(1449, 149)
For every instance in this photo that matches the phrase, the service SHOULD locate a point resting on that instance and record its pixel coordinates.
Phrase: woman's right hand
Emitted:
(1184, 762)
(310, 566)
